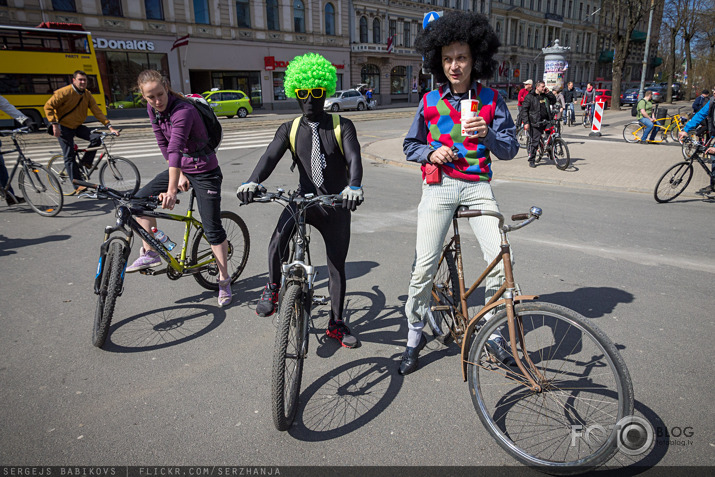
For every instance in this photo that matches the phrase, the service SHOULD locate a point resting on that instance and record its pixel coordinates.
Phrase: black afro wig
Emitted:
(472, 29)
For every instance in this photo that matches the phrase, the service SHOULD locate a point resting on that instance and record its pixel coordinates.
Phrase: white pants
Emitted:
(434, 217)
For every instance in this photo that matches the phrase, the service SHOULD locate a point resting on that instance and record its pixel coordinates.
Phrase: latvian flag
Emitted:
(390, 43)
(183, 41)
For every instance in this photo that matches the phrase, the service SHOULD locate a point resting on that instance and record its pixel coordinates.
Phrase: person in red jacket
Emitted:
(528, 84)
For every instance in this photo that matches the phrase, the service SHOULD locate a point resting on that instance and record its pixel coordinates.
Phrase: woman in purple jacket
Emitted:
(182, 136)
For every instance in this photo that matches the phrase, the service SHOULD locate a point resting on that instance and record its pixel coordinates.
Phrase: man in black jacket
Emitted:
(534, 114)
(569, 98)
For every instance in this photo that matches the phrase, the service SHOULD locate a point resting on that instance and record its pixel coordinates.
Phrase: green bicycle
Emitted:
(194, 258)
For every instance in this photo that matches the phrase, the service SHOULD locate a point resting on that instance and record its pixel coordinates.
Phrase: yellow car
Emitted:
(228, 103)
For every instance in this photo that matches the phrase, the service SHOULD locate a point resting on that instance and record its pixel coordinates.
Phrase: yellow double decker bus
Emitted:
(37, 61)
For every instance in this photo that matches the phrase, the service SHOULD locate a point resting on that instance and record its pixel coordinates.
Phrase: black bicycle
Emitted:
(295, 301)
(676, 179)
(39, 186)
(115, 172)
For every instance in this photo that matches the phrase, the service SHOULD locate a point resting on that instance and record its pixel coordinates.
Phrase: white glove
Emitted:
(352, 197)
(246, 191)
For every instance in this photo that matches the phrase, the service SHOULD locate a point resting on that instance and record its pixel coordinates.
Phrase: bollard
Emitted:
(597, 118)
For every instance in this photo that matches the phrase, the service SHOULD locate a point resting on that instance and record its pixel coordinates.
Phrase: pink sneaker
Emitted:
(224, 292)
(147, 259)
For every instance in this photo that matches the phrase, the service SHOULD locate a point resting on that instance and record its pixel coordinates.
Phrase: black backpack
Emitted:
(634, 109)
(213, 126)
(211, 123)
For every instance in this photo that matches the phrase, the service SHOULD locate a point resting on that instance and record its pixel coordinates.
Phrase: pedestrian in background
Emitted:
(534, 114)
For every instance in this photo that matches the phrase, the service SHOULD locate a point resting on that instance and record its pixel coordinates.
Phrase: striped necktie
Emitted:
(317, 159)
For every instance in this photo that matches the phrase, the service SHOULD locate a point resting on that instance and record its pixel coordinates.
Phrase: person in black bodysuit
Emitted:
(309, 77)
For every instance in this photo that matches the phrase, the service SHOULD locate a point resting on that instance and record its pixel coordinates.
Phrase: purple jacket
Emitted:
(180, 133)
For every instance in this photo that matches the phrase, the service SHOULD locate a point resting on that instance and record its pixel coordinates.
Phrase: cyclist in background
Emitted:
(323, 169)
(589, 97)
(11, 111)
(646, 117)
(66, 111)
(705, 117)
(182, 138)
(534, 114)
(569, 98)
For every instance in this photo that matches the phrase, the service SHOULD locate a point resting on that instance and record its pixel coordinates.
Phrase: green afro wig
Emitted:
(310, 71)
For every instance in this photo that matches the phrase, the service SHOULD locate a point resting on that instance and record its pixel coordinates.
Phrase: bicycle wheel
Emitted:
(560, 154)
(57, 165)
(689, 147)
(673, 182)
(632, 132)
(446, 286)
(522, 136)
(41, 189)
(675, 129)
(288, 355)
(239, 244)
(119, 174)
(585, 383)
(110, 288)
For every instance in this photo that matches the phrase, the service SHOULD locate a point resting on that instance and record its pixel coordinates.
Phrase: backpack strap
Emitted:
(294, 133)
(338, 132)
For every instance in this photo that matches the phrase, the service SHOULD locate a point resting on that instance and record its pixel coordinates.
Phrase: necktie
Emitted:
(317, 159)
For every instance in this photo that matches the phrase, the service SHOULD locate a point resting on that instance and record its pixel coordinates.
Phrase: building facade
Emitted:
(247, 44)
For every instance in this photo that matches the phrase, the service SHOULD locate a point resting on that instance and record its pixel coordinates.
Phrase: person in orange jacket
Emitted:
(66, 110)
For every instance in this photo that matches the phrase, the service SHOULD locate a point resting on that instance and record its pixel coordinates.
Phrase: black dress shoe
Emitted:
(409, 357)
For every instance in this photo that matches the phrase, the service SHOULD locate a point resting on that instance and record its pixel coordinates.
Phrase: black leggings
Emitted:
(334, 226)
(207, 188)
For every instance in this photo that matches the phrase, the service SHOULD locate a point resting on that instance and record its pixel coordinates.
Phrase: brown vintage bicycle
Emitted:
(549, 386)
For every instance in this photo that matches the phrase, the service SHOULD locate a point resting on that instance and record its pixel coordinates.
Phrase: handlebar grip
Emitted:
(517, 217)
(85, 184)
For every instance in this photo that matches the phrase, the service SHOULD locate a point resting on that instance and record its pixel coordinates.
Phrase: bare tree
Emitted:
(691, 19)
(672, 24)
(626, 15)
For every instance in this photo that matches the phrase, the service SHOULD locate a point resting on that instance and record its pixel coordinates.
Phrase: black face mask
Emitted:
(312, 107)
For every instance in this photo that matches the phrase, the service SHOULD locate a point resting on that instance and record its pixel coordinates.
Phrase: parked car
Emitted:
(602, 95)
(630, 96)
(346, 99)
(658, 93)
(133, 100)
(228, 103)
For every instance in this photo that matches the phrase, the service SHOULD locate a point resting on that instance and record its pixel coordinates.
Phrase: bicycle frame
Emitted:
(22, 161)
(299, 258)
(507, 291)
(98, 161)
(125, 217)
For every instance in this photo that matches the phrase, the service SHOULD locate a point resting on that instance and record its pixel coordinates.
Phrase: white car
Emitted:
(346, 99)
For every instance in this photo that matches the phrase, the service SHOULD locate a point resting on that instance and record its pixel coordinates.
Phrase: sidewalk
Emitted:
(605, 163)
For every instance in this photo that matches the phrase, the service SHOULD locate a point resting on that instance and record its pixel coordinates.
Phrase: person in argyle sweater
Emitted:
(458, 49)
(323, 169)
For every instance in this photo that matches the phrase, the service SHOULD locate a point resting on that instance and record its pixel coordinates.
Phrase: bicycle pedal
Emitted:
(151, 271)
(320, 300)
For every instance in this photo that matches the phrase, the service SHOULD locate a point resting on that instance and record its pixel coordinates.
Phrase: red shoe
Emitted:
(339, 331)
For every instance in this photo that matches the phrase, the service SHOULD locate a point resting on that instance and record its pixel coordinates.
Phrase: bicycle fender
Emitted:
(467, 338)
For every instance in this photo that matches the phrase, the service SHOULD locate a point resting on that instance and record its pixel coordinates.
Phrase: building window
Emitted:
(570, 7)
(243, 14)
(528, 37)
(458, 4)
(201, 11)
(406, 34)
(154, 9)
(521, 35)
(64, 5)
(370, 75)
(376, 31)
(393, 29)
(329, 19)
(498, 31)
(484, 7)
(398, 80)
(272, 16)
(363, 30)
(112, 8)
(536, 38)
(298, 16)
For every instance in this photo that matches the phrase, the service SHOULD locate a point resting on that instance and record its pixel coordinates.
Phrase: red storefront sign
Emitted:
(270, 64)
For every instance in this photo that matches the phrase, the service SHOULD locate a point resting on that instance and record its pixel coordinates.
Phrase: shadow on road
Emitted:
(7, 245)
(346, 399)
(591, 302)
(163, 327)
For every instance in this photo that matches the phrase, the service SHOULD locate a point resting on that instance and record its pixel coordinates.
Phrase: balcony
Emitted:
(554, 16)
(638, 36)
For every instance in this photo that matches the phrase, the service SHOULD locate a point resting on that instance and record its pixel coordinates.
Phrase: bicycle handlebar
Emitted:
(330, 200)
(13, 132)
(104, 133)
(103, 192)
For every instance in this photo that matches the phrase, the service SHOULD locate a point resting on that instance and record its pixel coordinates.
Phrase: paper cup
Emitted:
(469, 109)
